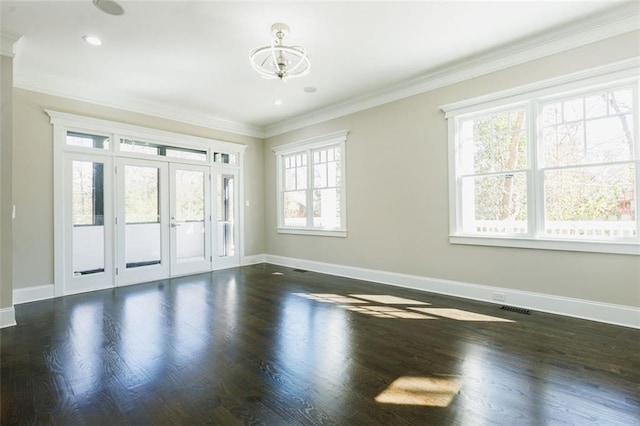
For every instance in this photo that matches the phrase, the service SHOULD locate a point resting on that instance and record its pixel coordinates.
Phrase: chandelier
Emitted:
(278, 60)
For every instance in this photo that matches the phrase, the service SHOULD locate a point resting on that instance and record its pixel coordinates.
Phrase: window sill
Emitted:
(611, 247)
(318, 232)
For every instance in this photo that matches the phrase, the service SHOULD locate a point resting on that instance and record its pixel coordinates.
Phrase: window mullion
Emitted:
(537, 174)
(636, 126)
(310, 185)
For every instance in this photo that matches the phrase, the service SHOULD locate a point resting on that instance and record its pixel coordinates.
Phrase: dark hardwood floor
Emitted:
(263, 344)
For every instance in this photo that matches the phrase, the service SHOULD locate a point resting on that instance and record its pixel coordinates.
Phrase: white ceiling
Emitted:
(191, 57)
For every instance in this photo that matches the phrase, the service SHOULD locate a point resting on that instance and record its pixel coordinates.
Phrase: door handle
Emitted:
(173, 225)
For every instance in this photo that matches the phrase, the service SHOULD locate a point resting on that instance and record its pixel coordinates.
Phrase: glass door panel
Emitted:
(88, 246)
(190, 219)
(226, 232)
(142, 211)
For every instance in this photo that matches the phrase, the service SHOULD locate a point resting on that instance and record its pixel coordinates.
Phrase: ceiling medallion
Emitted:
(278, 60)
(109, 6)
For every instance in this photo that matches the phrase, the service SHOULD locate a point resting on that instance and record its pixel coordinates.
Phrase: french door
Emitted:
(142, 220)
(190, 219)
(88, 224)
(163, 220)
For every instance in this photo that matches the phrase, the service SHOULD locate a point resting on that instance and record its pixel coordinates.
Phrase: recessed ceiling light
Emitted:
(278, 102)
(109, 6)
(310, 89)
(93, 40)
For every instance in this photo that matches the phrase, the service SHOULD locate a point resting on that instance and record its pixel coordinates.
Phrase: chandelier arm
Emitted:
(303, 59)
(260, 68)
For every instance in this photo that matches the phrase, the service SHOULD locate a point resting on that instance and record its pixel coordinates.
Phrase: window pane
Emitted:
(187, 154)
(87, 141)
(142, 216)
(141, 194)
(301, 177)
(498, 143)
(564, 145)
(189, 216)
(320, 175)
(596, 105)
(326, 208)
(621, 101)
(572, 110)
(83, 193)
(87, 200)
(295, 174)
(610, 139)
(224, 158)
(148, 148)
(289, 179)
(225, 214)
(495, 204)
(189, 195)
(128, 145)
(551, 114)
(295, 208)
(605, 133)
(591, 202)
(333, 174)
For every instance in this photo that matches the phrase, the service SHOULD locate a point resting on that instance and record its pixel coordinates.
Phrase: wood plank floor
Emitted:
(263, 344)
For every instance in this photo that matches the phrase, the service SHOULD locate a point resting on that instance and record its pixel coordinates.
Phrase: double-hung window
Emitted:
(557, 167)
(311, 186)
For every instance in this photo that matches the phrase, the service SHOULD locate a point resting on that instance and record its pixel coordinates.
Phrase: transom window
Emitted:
(311, 190)
(86, 140)
(545, 171)
(148, 148)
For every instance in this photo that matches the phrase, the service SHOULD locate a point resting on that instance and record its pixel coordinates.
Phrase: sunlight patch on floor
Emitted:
(385, 312)
(329, 298)
(460, 315)
(361, 303)
(388, 300)
(422, 391)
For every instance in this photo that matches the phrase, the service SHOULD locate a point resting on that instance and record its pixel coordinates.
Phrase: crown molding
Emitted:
(614, 22)
(334, 137)
(8, 44)
(50, 85)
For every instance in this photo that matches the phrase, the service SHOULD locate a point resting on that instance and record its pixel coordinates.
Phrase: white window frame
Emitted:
(531, 96)
(307, 146)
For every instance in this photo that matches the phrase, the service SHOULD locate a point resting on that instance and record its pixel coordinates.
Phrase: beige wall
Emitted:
(33, 172)
(6, 144)
(397, 202)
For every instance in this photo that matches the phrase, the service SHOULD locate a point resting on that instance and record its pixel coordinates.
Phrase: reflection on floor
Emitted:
(361, 303)
(421, 391)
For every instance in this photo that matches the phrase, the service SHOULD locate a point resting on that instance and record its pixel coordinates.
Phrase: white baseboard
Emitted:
(253, 259)
(33, 294)
(626, 316)
(7, 317)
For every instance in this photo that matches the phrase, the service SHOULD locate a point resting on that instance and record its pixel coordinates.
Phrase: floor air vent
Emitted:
(514, 309)
(299, 270)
